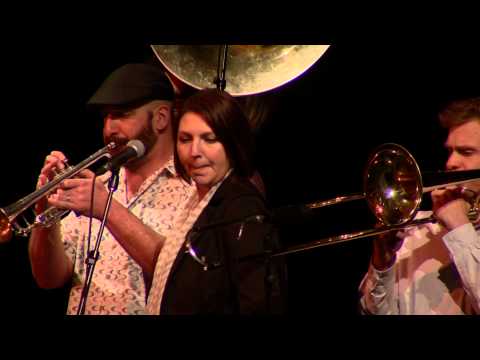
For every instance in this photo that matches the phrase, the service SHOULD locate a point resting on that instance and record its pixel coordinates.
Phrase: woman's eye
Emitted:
(211, 140)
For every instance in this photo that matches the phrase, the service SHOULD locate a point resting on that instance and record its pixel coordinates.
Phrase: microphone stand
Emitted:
(93, 255)
(221, 68)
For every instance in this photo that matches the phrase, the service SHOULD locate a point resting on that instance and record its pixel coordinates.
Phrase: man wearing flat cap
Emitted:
(136, 103)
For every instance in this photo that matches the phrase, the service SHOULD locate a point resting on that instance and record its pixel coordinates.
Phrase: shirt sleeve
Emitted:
(377, 292)
(463, 244)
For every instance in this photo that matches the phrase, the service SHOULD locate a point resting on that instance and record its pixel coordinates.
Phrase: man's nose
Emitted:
(454, 162)
(109, 126)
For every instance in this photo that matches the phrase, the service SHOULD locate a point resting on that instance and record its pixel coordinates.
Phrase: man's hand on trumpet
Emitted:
(75, 194)
(54, 163)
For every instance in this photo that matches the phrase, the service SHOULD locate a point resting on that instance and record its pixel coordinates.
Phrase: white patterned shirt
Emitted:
(436, 273)
(117, 286)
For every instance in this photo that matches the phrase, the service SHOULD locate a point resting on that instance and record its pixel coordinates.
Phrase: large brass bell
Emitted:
(250, 69)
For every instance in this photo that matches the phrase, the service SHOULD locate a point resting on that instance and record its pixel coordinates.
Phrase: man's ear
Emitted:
(161, 117)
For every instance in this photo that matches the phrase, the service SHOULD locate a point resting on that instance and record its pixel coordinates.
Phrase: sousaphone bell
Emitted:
(250, 69)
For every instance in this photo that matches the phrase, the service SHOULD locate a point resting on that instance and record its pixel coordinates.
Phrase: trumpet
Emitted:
(393, 188)
(9, 214)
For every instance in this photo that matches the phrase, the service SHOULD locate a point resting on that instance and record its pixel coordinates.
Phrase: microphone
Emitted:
(133, 150)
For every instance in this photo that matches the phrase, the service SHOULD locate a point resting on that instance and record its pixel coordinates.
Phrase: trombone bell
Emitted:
(393, 185)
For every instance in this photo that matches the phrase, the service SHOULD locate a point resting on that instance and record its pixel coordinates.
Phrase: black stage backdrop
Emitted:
(314, 145)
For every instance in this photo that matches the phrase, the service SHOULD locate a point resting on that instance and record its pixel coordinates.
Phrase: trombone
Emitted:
(393, 188)
(9, 214)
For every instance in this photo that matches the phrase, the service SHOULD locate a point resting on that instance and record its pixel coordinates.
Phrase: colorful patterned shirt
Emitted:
(436, 273)
(117, 286)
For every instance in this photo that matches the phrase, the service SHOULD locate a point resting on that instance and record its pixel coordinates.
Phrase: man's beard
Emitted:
(147, 136)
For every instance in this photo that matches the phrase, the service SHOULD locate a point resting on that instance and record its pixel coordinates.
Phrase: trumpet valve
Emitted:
(57, 172)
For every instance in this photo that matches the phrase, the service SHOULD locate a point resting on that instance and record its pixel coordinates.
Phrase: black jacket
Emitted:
(253, 286)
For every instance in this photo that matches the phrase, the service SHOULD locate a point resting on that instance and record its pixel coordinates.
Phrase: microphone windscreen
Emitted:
(138, 146)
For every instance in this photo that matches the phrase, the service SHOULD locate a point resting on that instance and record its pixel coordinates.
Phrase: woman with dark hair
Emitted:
(215, 260)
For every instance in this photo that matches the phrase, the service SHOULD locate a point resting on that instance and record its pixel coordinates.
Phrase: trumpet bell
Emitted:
(250, 69)
(393, 185)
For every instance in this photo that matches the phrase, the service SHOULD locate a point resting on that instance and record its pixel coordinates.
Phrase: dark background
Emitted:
(313, 146)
